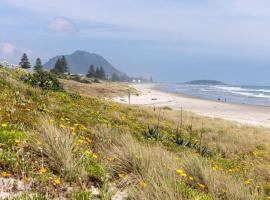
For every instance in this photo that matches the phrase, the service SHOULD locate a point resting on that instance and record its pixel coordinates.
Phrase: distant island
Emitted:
(205, 82)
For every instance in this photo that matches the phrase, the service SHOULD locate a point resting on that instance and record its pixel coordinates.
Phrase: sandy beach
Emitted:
(246, 114)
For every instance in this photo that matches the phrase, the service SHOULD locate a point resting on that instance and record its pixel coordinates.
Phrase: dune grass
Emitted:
(101, 89)
(63, 143)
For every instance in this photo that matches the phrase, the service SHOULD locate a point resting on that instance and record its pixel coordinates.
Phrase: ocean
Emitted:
(253, 95)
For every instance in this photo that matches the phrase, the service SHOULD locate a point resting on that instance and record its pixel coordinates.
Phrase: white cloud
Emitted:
(7, 49)
(61, 24)
(12, 52)
(214, 22)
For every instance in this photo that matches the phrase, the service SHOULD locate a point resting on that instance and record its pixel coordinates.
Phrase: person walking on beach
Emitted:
(128, 96)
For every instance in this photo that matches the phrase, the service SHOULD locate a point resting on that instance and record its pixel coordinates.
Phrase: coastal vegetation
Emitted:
(66, 142)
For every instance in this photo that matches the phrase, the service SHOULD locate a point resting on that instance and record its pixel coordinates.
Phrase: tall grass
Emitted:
(149, 172)
(219, 184)
(58, 147)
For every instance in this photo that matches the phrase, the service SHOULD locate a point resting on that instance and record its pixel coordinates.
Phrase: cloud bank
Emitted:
(61, 24)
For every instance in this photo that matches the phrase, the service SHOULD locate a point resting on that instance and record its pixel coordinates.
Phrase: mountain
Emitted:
(205, 82)
(79, 63)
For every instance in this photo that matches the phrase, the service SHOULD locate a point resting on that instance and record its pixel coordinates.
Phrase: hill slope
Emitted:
(79, 63)
(61, 145)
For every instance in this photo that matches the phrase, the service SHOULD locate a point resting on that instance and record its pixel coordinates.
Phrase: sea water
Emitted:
(253, 95)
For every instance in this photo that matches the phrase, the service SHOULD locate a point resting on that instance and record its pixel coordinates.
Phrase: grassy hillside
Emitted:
(69, 145)
(100, 89)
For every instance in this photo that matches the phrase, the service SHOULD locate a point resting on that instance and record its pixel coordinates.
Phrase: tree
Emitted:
(102, 73)
(38, 66)
(91, 71)
(25, 64)
(57, 67)
(64, 65)
(60, 66)
(97, 74)
(115, 77)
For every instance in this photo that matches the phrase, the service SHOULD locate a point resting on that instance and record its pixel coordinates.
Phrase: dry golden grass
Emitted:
(219, 184)
(144, 170)
(229, 138)
(58, 147)
(236, 168)
(150, 172)
(102, 89)
(246, 147)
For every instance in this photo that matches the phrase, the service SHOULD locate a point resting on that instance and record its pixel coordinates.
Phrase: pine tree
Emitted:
(38, 66)
(25, 64)
(97, 75)
(60, 66)
(57, 67)
(115, 77)
(102, 73)
(64, 65)
(91, 72)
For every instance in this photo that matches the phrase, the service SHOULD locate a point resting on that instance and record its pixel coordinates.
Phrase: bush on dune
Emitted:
(44, 80)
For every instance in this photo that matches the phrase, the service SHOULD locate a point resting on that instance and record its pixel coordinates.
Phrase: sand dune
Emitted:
(247, 114)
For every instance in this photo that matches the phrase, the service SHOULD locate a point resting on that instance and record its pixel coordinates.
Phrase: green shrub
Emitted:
(44, 80)
(152, 134)
(93, 169)
(166, 108)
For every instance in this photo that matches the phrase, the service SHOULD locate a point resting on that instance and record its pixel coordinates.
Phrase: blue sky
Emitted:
(170, 40)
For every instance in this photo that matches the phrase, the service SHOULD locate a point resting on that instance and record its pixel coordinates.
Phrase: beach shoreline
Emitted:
(151, 96)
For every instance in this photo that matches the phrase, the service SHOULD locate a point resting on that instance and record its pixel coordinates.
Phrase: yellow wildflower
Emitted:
(62, 126)
(73, 133)
(5, 174)
(179, 171)
(110, 158)
(201, 185)
(56, 181)
(42, 170)
(183, 174)
(191, 178)
(248, 181)
(215, 168)
(26, 179)
(121, 175)
(143, 184)
(80, 141)
(17, 141)
(87, 152)
(95, 156)
(4, 125)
